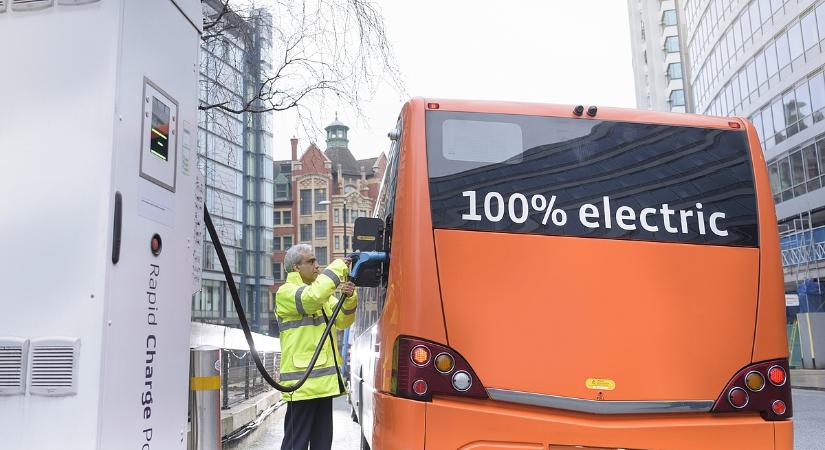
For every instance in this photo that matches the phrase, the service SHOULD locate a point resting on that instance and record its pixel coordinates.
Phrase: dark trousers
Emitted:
(308, 422)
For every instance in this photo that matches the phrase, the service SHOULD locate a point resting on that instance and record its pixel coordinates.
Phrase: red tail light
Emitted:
(417, 375)
(777, 375)
(747, 391)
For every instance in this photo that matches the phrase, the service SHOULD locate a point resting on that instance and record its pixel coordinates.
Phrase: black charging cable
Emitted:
(245, 325)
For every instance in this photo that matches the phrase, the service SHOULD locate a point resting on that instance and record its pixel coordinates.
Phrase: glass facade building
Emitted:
(764, 60)
(657, 46)
(235, 155)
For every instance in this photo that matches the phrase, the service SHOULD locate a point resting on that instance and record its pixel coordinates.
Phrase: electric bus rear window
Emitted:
(159, 133)
(481, 141)
(590, 178)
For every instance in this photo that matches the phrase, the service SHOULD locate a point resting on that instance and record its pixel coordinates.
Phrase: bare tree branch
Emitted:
(212, 22)
(313, 52)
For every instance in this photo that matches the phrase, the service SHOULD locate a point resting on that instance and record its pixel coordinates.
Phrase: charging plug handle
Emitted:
(362, 259)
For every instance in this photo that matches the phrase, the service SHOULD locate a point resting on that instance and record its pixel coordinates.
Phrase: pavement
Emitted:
(247, 411)
(268, 436)
(808, 379)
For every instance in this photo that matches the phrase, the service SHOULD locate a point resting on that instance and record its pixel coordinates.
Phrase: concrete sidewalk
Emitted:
(247, 411)
(808, 379)
(242, 413)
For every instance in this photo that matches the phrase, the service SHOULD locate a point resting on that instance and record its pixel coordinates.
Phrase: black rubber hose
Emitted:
(245, 325)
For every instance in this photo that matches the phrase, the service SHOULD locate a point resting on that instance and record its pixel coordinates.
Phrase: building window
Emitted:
(306, 202)
(281, 191)
(674, 71)
(337, 242)
(321, 255)
(306, 232)
(677, 98)
(210, 257)
(276, 244)
(672, 44)
(276, 271)
(337, 214)
(320, 229)
(320, 196)
(669, 18)
(282, 218)
(287, 242)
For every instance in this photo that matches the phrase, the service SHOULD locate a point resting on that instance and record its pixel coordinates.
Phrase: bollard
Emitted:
(205, 398)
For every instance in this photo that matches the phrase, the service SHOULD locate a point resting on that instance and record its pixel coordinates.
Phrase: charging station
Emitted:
(101, 221)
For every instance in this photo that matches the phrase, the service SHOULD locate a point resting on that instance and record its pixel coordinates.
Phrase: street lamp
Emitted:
(327, 202)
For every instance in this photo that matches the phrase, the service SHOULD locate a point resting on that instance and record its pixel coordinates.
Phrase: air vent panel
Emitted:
(30, 5)
(13, 358)
(53, 366)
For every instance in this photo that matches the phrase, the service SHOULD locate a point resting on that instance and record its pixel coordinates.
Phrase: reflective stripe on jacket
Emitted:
(298, 311)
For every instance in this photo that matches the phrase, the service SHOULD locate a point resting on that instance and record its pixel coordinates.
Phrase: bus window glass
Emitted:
(475, 140)
(594, 178)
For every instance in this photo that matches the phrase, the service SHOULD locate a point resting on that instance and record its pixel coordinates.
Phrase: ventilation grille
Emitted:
(12, 365)
(30, 5)
(53, 367)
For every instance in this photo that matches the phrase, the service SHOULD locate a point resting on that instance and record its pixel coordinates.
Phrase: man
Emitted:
(302, 307)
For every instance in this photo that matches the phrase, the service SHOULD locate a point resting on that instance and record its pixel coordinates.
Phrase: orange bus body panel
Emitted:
(783, 435)
(414, 307)
(469, 424)
(604, 113)
(400, 423)
(771, 339)
(413, 302)
(543, 314)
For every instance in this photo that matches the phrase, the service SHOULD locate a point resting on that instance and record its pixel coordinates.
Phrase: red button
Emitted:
(155, 244)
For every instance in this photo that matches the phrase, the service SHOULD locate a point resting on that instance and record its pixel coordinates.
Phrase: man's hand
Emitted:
(348, 287)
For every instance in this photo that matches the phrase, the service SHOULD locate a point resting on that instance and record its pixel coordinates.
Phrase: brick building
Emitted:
(318, 196)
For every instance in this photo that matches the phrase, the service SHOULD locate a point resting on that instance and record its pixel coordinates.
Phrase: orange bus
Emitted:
(562, 277)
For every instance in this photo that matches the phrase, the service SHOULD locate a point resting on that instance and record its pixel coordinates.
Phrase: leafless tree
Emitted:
(319, 50)
(261, 57)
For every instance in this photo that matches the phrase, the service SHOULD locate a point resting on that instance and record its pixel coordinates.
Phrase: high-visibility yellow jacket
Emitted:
(298, 309)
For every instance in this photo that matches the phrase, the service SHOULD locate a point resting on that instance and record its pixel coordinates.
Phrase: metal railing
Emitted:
(800, 247)
(240, 379)
(807, 253)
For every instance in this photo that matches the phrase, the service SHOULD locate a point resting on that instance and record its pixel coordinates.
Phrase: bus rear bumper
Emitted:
(486, 425)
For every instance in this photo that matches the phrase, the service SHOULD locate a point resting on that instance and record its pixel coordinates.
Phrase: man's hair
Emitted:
(294, 255)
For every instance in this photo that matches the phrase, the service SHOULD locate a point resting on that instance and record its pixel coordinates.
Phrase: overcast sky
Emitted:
(548, 51)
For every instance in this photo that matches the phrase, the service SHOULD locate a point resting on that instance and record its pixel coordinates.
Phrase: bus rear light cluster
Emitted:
(762, 388)
(418, 375)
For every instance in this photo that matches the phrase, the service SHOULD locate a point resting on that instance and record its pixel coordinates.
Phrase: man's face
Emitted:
(308, 268)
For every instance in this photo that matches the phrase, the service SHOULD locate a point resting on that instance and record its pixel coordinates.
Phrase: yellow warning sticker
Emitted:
(600, 384)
